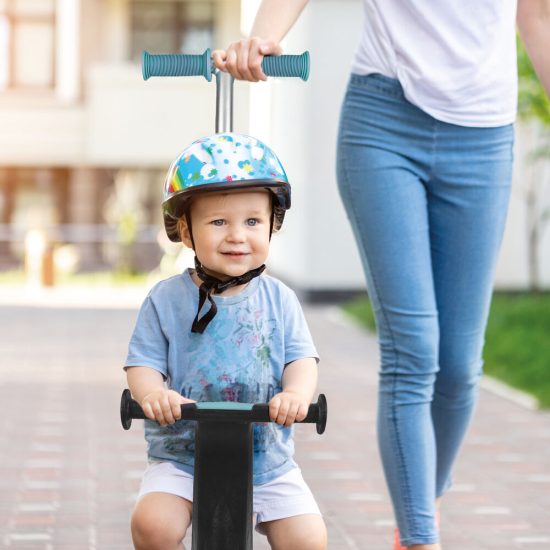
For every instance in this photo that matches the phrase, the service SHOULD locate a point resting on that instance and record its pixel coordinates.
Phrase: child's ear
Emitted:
(185, 235)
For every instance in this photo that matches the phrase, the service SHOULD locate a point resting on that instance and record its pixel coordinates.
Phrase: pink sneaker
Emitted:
(397, 540)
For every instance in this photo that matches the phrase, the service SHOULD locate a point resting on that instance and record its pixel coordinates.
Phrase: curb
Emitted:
(518, 397)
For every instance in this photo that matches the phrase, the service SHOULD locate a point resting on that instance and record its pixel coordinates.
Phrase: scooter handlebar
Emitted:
(224, 412)
(201, 65)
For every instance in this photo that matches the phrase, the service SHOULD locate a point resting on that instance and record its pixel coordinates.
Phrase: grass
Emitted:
(99, 278)
(517, 347)
(360, 309)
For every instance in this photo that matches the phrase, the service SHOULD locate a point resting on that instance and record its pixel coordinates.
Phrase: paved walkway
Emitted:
(69, 473)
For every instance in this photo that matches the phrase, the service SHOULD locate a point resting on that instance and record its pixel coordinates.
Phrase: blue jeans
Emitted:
(427, 203)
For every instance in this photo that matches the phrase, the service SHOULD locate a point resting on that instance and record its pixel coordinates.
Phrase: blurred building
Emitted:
(85, 142)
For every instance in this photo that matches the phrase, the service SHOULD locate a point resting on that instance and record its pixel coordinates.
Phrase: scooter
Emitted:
(222, 488)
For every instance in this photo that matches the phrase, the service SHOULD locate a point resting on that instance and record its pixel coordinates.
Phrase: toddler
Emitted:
(223, 331)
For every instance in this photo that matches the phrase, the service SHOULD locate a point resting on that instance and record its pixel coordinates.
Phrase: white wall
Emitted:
(137, 123)
(316, 249)
(512, 270)
(41, 133)
(67, 64)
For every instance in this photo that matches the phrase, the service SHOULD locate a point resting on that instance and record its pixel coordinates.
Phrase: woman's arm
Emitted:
(533, 19)
(275, 18)
(243, 58)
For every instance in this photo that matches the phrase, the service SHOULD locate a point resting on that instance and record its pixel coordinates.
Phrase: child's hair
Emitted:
(223, 162)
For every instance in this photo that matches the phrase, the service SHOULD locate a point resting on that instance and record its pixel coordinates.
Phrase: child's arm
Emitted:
(299, 384)
(158, 402)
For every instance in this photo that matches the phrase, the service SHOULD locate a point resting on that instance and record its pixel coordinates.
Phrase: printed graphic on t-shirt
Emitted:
(228, 362)
(240, 357)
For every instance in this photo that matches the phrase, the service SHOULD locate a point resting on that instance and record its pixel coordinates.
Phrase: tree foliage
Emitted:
(534, 106)
(532, 102)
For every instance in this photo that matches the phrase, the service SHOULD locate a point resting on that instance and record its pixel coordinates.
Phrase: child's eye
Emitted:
(252, 221)
(217, 223)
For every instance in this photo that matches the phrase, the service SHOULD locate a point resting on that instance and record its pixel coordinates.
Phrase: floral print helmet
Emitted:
(222, 162)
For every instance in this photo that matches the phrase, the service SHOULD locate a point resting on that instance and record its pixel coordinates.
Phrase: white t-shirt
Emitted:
(455, 59)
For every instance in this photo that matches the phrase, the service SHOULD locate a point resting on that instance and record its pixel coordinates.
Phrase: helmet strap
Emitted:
(189, 227)
(272, 218)
(212, 285)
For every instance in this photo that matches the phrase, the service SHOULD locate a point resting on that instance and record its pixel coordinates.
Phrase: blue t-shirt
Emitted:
(240, 357)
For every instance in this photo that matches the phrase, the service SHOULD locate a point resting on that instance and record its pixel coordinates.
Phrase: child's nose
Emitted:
(236, 233)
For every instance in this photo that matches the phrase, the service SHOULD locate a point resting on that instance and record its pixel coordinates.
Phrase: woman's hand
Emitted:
(288, 407)
(273, 20)
(243, 59)
(163, 405)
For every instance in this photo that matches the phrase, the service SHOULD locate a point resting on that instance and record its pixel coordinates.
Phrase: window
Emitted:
(172, 26)
(27, 44)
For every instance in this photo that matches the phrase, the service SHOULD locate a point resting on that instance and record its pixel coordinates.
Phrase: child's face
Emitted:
(230, 230)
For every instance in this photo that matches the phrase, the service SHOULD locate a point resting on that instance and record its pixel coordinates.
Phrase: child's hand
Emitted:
(164, 406)
(288, 407)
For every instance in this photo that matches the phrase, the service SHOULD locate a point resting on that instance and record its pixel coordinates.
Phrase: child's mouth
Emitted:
(235, 254)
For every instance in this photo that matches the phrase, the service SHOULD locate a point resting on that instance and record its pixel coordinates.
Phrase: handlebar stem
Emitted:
(224, 102)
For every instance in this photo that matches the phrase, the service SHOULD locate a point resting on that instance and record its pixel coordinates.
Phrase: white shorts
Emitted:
(284, 497)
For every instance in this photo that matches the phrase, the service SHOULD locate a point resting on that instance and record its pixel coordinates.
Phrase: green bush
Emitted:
(532, 101)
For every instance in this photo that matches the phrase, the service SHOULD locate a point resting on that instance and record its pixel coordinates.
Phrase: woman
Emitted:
(424, 170)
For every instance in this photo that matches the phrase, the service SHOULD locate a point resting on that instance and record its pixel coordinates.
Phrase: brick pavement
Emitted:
(69, 473)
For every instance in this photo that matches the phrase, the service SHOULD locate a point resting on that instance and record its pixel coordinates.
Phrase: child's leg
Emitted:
(160, 521)
(288, 514)
(305, 532)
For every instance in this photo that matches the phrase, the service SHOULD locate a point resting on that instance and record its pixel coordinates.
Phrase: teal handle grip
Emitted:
(201, 65)
(224, 405)
(176, 65)
(287, 65)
